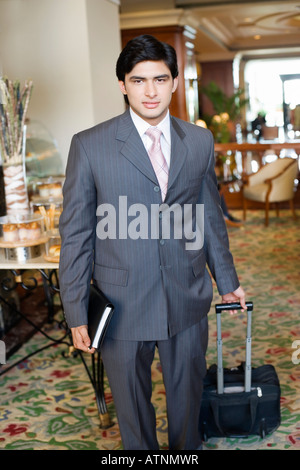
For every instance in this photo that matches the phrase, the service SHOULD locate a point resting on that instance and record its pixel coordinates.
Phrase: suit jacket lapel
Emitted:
(133, 148)
(178, 152)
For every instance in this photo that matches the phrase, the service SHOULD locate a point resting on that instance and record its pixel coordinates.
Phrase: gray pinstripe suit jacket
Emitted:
(158, 287)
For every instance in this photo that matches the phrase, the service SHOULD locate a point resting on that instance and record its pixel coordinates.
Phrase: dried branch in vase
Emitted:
(14, 103)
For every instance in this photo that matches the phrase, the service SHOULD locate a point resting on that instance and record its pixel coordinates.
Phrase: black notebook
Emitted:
(100, 311)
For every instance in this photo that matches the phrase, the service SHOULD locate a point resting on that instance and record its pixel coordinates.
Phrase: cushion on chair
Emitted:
(257, 192)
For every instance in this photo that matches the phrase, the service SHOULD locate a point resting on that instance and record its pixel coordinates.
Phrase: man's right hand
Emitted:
(81, 339)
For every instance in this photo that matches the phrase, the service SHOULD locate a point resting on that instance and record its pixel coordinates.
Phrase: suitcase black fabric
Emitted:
(241, 401)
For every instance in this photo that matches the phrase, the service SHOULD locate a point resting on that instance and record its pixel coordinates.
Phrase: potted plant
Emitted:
(227, 111)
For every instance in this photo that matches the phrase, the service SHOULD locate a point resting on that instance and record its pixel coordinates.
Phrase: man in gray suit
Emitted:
(145, 249)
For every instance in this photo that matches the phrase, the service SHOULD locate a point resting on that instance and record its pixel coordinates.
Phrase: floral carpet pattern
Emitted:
(47, 402)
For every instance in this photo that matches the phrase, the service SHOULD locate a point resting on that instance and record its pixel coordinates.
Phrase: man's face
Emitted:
(149, 87)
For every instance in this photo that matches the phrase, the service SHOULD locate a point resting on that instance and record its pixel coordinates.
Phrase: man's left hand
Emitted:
(236, 296)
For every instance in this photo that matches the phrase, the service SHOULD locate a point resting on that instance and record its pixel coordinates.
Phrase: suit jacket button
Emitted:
(156, 189)
(162, 242)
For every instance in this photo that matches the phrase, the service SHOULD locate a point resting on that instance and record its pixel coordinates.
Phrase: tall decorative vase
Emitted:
(14, 102)
(14, 171)
(2, 194)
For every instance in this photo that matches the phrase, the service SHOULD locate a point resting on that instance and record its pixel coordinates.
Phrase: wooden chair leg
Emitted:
(244, 208)
(267, 214)
(277, 209)
(292, 207)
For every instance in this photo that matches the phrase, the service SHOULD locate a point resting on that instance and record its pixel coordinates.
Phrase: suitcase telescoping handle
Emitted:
(233, 306)
(220, 375)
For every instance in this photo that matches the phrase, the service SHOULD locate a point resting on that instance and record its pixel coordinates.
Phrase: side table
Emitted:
(49, 272)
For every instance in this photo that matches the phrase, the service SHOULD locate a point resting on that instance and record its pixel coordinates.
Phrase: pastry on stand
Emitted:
(22, 237)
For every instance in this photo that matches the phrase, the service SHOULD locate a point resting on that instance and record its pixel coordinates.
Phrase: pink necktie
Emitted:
(158, 160)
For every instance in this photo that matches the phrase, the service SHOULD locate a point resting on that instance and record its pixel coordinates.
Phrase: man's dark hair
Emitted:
(143, 48)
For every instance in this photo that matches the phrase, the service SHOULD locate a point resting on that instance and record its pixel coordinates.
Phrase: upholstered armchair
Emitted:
(273, 183)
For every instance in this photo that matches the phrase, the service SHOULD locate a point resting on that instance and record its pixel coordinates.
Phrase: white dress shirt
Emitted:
(165, 140)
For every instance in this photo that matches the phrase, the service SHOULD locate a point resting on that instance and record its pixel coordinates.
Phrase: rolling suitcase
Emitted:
(241, 401)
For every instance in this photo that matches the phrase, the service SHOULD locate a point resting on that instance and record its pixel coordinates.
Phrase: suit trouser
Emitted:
(128, 368)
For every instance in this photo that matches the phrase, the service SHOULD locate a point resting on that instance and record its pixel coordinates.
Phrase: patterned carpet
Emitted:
(47, 402)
